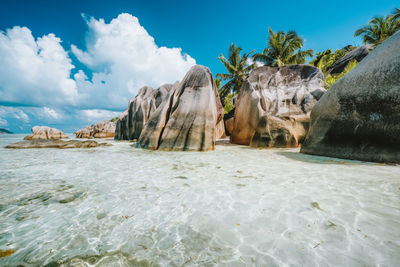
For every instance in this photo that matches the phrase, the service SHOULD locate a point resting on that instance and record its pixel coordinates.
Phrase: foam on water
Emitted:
(235, 206)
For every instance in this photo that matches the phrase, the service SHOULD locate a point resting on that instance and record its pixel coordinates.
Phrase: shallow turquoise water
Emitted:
(235, 206)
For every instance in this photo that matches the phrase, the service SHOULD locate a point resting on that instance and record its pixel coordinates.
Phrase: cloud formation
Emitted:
(98, 114)
(34, 72)
(121, 56)
(15, 113)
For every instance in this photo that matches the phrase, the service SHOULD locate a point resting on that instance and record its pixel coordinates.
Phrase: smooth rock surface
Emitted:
(229, 126)
(188, 119)
(220, 130)
(44, 132)
(132, 121)
(102, 129)
(121, 132)
(280, 132)
(274, 104)
(359, 117)
(54, 143)
(357, 54)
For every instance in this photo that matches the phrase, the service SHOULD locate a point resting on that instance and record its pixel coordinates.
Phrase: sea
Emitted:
(235, 206)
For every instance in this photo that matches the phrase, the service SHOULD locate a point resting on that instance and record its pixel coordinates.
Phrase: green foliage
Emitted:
(114, 119)
(218, 83)
(228, 106)
(283, 48)
(331, 79)
(380, 28)
(396, 14)
(237, 68)
(325, 60)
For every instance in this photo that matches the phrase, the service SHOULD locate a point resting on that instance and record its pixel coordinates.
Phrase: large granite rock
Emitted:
(121, 132)
(220, 129)
(359, 117)
(132, 121)
(357, 54)
(229, 125)
(44, 132)
(103, 129)
(86, 132)
(274, 104)
(53, 143)
(189, 119)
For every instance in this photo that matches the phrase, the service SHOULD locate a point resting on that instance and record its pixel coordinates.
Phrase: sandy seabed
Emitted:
(235, 206)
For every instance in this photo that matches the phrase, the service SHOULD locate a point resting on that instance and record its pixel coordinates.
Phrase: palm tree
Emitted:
(396, 14)
(237, 68)
(217, 83)
(322, 58)
(379, 29)
(283, 48)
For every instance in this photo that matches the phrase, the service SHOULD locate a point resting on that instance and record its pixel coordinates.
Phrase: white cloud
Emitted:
(124, 57)
(99, 114)
(15, 113)
(121, 57)
(34, 72)
(51, 113)
(250, 61)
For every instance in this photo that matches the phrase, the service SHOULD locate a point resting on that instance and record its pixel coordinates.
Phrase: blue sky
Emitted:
(67, 70)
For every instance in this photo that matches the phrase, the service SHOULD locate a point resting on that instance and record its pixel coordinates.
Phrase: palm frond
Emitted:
(236, 66)
(379, 29)
(224, 76)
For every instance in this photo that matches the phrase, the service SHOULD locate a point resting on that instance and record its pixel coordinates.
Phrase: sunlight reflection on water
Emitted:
(234, 206)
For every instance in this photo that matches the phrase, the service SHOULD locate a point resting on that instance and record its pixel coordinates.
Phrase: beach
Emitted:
(235, 206)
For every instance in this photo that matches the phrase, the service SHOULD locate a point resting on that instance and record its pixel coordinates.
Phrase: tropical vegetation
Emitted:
(380, 28)
(331, 79)
(283, 48)
(238, 69)
(396, 13)
(228, 104)
(326, 59)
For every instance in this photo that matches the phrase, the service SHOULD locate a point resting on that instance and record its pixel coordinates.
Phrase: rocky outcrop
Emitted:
(132, 121)
(359, 117)
(220, 129)
(357, 54)
(189, 118)
(103, 129)
(229, 125)
(86, 132)
(274, 104)
(44, 132)
(121, 132)
(53, 143)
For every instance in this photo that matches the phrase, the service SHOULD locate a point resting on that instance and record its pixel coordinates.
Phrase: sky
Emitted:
(68, 64)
